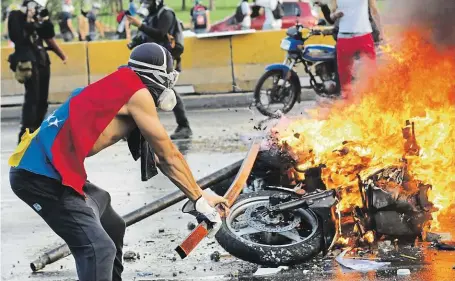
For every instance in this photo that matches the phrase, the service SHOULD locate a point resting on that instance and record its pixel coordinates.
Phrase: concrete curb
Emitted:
(192, 102)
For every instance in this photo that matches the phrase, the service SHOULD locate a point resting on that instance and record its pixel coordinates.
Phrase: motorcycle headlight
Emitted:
(285, 44)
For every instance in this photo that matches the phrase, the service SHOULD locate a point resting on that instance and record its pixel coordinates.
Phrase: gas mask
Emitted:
(148, 6)
(37, 9)
(165, 95)
(159, 83)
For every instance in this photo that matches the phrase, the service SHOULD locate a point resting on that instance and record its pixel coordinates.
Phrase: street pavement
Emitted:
(221, 137)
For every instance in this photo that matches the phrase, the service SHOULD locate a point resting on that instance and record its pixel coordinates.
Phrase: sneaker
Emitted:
(182, 133)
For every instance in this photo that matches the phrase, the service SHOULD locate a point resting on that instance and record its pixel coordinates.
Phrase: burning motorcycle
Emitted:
(275, 224)
(287, 214)
(318, 61)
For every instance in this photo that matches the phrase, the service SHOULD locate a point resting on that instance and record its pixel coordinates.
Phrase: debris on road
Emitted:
(447, 246)
(403, 272)
(436, 237)
(144, 274)
(269, 271)
(129, 255)
(359, 264)
(409, 257)
(385, 246)
(216, 256)
(191, 225)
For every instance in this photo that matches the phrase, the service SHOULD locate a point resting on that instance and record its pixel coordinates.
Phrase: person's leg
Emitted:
(44, 77)
(72, 218)
(30, 106)
(183, 130)
(344, 49)
(112, 223)
(367, 47)
(337, 77)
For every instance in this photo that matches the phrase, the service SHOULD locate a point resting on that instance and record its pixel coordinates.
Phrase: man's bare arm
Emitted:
(171, 162)
(375, 15)
(70, 26)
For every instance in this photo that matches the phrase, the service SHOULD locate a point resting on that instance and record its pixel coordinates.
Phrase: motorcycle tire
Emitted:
(272, 255)
(257, 95)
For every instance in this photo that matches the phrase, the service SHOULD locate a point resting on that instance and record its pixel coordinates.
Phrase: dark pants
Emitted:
(67, 36)
(35, 101)
(179, 112)
(92, 229)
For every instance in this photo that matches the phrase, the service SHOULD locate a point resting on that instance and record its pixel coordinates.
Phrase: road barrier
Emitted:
(211, 65)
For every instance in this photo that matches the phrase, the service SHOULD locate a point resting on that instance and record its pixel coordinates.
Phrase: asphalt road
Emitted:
(221, 137)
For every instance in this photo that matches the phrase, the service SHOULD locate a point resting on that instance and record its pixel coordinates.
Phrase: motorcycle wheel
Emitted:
(288, 101)
(291, 243)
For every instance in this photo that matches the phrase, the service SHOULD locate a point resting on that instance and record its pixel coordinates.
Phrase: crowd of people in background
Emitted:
(357, 28)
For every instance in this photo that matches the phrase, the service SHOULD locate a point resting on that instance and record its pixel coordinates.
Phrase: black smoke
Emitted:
(435, 16)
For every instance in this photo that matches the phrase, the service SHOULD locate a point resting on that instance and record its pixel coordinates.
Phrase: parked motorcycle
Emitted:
(318, 61)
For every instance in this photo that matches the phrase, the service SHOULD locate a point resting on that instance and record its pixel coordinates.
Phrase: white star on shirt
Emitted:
(55, 122)
(48, 119)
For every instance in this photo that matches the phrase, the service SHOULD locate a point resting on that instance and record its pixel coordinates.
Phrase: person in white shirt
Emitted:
(270, 21)
(354, 36)
(246, 11)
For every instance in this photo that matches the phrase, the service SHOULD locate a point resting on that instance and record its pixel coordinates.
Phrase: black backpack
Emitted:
(278, 13)
(176, 32)
(239, 16)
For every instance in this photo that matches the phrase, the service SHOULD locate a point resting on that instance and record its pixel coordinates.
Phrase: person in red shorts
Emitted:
(354, 36)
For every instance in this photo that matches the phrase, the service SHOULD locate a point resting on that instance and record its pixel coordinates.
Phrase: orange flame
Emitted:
(415, 83)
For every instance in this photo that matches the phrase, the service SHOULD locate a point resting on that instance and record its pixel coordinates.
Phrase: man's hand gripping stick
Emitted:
(205, 227)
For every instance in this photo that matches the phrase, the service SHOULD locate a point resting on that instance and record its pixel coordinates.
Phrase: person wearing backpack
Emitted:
(274, 12)
(243, 14)
(200, 19)
(161, 26)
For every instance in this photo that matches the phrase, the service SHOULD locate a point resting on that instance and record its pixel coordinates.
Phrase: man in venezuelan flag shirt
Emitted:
(47, 168)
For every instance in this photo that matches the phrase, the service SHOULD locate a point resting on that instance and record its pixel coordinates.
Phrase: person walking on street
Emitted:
(354, 36)
(200, 17)
(94, 24)
(158, 25)
(273, 10)
(48, 173)
(65, 22)
(124, 26)
(29, 28)
(246, 12)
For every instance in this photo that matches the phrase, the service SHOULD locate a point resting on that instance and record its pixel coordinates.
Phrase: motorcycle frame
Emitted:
(328, 217)
(293, 59)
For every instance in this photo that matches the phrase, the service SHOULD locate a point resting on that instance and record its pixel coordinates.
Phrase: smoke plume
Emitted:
(435, 16)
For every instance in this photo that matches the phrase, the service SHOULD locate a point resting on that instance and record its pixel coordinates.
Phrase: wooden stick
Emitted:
(201, 231)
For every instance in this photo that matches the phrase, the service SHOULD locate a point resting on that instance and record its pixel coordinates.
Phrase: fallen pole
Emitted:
(144, 212)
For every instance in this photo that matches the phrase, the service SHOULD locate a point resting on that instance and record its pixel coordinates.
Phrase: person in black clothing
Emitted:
(29, 28)
(156, 26)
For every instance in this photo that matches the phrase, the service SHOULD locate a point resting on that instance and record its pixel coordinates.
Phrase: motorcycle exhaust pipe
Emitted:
(304, 202)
